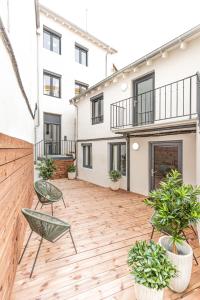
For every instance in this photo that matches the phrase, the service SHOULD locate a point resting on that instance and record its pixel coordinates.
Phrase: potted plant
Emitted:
(176, 208)
(151, 268)
(71, 172)
(115, 177)
(46, 168)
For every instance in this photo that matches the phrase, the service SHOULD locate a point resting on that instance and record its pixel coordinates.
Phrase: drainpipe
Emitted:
(106, 64)
(128, 161)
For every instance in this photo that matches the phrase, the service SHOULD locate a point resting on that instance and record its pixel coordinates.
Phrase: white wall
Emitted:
(70, 71)
(15, 119)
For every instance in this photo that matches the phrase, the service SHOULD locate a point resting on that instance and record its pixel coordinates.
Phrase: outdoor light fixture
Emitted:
(135, 146)
(149, 62)
(164, 54)
(124, 87)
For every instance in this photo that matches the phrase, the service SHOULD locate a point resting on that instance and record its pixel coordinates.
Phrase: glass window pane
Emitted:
(83, 57)
(77, 58)
(123, 159)
(56, 87)
(115, 157)
(46, 40)
(56, 44)
(47, 85)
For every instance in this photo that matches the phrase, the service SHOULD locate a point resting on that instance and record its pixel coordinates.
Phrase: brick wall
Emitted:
(61, 168)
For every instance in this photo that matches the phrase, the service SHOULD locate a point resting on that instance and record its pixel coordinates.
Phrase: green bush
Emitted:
(150, 266)
(46, 168)
(115, 175)
(71, 169)
(176, 206)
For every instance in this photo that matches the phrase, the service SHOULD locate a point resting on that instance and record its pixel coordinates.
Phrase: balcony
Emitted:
(173, 102)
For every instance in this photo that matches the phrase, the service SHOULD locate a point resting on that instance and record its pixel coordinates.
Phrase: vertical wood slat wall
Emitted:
(16, 191)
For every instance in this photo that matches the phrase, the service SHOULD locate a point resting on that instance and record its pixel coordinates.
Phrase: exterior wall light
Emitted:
(164, 54)
(135, 146)
(124, 87)
(183, 45)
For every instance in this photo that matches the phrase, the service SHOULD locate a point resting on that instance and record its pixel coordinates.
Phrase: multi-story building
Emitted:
(70, 61)
(144, 119)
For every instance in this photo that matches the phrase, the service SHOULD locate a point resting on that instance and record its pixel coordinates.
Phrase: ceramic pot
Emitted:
(144, 293)
(71, 175)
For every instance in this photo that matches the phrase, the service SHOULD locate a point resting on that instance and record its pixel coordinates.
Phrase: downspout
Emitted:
(128, 161)
(106, 64)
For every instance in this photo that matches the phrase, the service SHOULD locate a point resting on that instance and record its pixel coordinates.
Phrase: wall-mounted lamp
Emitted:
(124, 87)
(135, 146)
(183, 45)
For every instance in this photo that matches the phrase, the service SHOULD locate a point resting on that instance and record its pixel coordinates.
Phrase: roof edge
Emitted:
(78, 30)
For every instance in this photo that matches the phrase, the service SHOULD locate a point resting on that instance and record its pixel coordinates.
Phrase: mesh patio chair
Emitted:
(167, 232)
(46, 226)
(47, 194)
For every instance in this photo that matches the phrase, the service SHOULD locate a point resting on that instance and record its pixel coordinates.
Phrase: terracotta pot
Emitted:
(115, 185)
(71, 175)
(144, 293)
(182, 262)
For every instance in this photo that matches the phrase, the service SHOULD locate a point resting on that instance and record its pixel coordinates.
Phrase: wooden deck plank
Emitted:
(104, 225)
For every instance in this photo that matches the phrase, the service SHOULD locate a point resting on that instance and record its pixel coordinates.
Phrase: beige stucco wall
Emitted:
(139, 161)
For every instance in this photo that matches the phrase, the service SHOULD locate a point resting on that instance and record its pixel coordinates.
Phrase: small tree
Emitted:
(176, 207)
(46, 168)
(150, 266)
(115, 175)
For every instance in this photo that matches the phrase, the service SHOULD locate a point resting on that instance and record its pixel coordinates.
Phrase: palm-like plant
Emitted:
(176, 207)
(46, 168)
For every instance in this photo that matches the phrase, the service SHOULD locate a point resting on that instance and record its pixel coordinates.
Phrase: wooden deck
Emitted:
(104, 225)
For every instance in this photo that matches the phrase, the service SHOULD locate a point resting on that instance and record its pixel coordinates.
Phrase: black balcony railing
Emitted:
(175, 100)
(64, 148)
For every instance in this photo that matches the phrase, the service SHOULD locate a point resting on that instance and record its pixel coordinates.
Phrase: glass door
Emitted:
(164, 157)
(52, 134)
(143, 112)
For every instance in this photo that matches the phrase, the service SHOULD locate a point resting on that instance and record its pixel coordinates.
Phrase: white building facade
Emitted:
(70, 61)
(144, 119)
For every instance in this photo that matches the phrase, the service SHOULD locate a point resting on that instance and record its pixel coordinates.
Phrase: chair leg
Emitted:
(72, 241)
(41, 206)
(25, 247)
(36, 257)
(64, 202)
(189, 244)
(37, 205)
(193, 230)
(153, 228)
(52, 209)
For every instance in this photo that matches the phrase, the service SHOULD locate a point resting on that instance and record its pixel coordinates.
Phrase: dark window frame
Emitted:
(84, 50)
(89, 158)
(81, 84)
(100, 117)
(118, 144)
(52, 34)
(52, 75)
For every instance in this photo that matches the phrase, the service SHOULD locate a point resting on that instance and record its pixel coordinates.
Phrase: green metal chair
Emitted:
(47, 194)
(46, 226)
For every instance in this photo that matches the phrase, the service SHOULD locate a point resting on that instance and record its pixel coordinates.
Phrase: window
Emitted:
(51, 40)
(87, 155)
(80, 87)
(97, 109)
(52, 84)
(81, 55)
(118, 157)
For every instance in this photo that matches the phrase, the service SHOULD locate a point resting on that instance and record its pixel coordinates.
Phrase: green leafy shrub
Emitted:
(176, 206)
(150, 266)
(115, 175)
(46, 168)
(71, 169)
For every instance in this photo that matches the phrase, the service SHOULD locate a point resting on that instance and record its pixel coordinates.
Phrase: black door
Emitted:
(164, 156)
(52, 134)
(143, 103)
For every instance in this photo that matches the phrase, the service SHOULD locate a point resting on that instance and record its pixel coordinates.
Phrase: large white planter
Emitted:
(115, 185)
(144, 293)
(182, 262)
(198, 230)
(71, 175)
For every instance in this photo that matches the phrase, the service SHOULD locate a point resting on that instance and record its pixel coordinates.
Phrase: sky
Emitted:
(132, 27)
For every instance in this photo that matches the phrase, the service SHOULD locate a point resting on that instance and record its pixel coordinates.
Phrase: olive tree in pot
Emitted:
(176, 208)
(46, 168)
(151, 269)
(71, 172)
(115, 177)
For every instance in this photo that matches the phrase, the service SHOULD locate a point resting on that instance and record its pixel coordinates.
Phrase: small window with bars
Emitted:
(97, 109)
